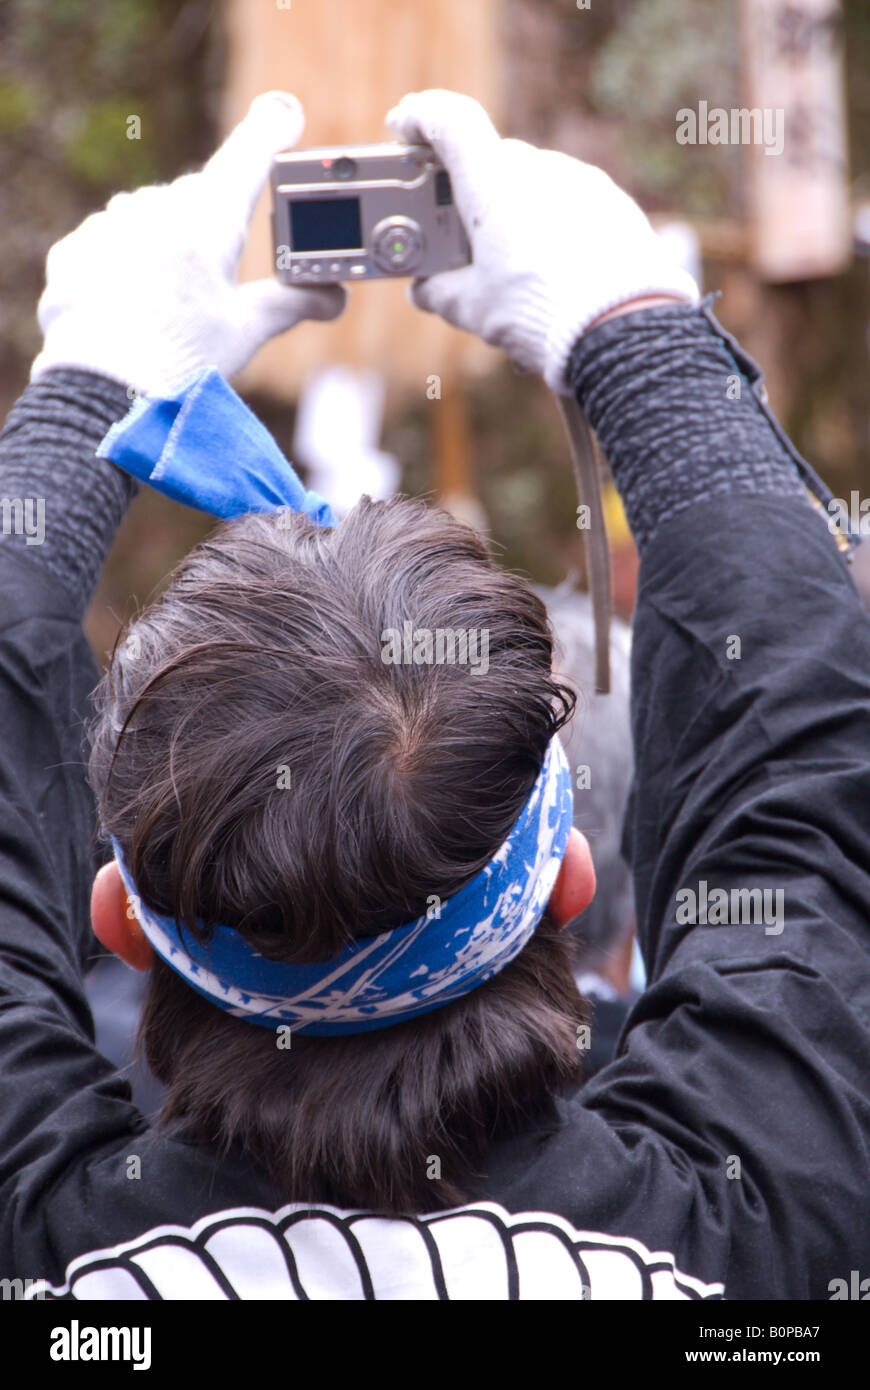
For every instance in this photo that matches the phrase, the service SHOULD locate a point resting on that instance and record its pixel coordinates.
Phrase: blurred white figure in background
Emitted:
(338, 429)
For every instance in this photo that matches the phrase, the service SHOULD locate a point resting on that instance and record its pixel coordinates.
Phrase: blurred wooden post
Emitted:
(349, 63)
(791, 57)
(452, 453)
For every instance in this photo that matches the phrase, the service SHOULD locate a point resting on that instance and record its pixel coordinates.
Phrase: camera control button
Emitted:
(397, 245)
(357, 269)
(317, 268)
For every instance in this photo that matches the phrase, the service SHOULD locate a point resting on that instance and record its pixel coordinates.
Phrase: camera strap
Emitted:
(584, 454)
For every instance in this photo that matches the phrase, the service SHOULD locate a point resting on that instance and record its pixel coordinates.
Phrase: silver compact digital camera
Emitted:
(364, 212)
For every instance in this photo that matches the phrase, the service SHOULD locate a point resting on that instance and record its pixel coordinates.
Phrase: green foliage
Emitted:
(668, 54)
(71, 74)
(99, 152)
(73, 71)
(19, 101)
(103, 33)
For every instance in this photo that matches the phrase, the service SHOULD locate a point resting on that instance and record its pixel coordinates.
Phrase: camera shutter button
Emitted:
(397, 245)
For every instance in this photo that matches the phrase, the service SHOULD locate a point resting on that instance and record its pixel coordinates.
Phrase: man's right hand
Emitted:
(145, 291)
(556, 244)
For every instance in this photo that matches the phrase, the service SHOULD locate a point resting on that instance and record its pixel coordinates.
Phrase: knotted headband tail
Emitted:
(202, 446)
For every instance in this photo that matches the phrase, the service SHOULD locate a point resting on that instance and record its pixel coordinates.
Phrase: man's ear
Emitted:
(574, 889)
(114, 921)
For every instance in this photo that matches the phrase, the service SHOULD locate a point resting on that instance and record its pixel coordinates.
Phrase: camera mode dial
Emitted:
(397, 245)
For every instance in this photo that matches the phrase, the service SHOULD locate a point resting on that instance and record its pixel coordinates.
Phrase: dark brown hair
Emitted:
(263, 658)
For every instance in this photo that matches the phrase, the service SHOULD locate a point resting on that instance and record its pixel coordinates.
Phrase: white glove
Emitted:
(145, 291)
(555, 243)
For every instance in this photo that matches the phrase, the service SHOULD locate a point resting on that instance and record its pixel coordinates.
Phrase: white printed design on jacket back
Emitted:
(301, 1252)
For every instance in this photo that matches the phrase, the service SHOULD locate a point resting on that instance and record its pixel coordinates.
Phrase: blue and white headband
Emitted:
(205, 448)
(381, 980)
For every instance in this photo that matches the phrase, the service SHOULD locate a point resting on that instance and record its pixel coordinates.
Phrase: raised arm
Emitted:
(137, 297)
(734, 1128)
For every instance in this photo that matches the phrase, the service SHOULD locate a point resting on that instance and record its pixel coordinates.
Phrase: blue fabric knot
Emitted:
(202, 446)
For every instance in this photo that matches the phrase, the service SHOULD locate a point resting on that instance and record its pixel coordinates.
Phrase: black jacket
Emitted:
(727, 1149)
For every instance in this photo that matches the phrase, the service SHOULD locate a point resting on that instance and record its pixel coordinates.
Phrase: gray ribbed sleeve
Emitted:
(48, 468)
(681, 415)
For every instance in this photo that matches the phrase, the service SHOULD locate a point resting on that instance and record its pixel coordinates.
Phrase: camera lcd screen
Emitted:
(326, 225)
